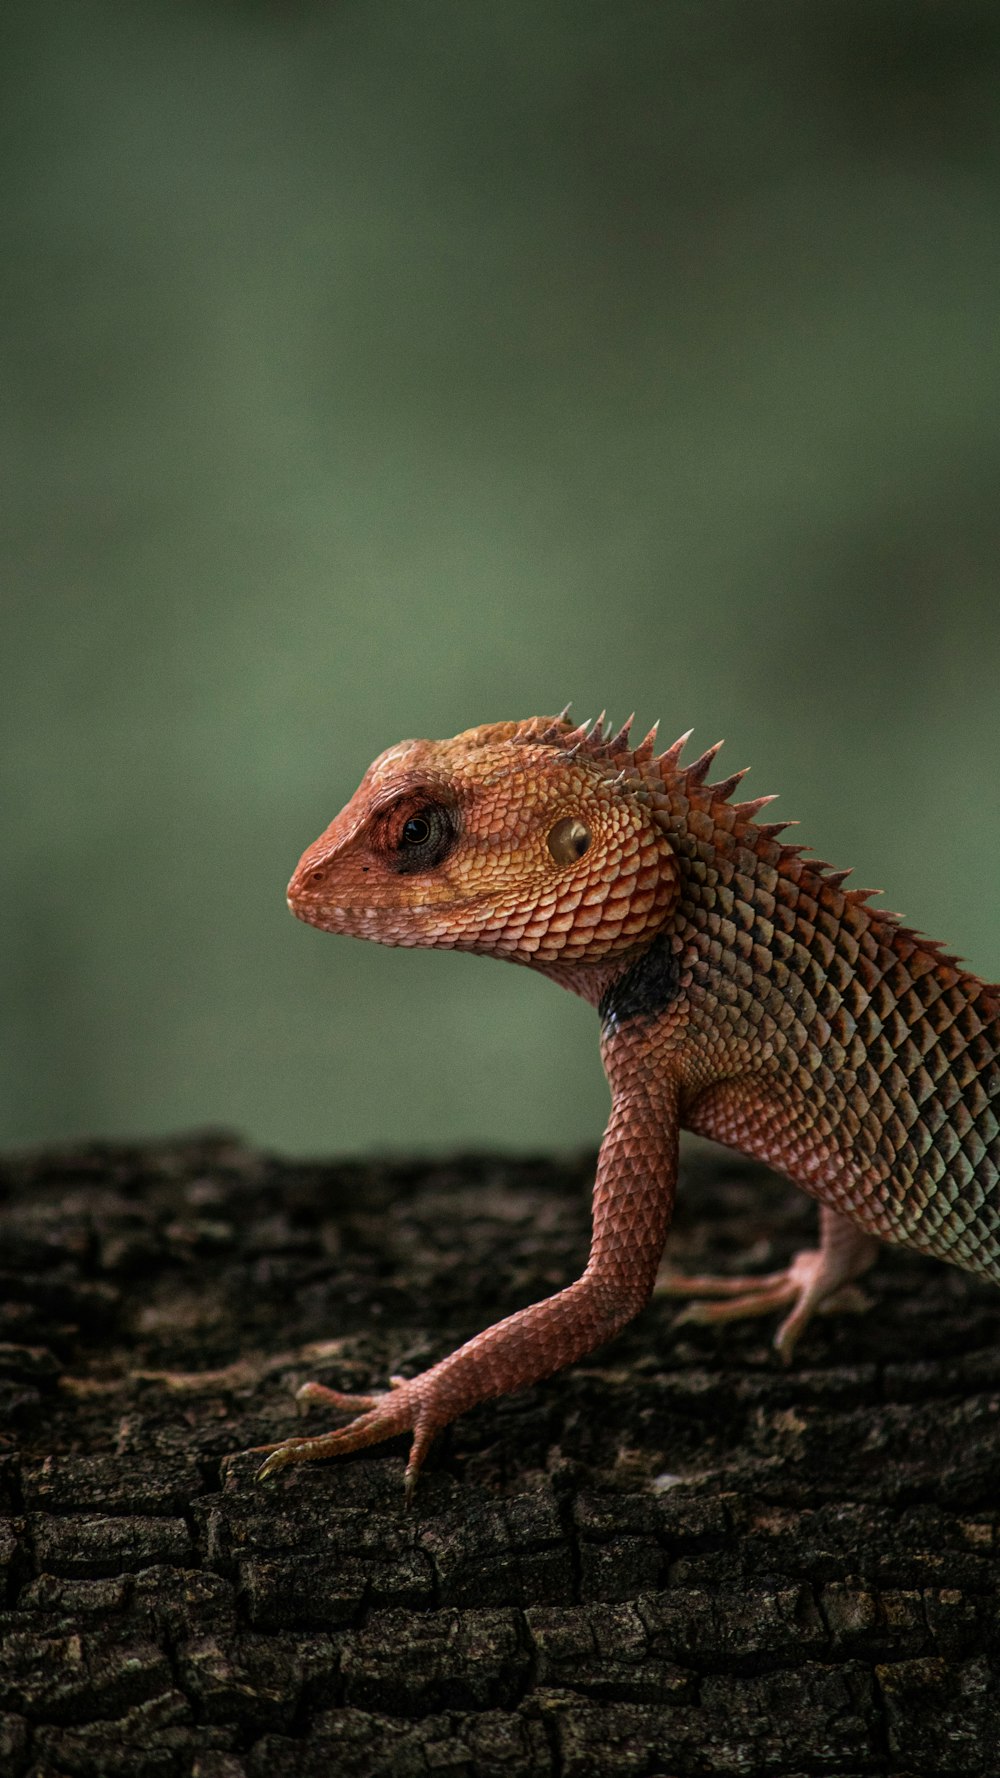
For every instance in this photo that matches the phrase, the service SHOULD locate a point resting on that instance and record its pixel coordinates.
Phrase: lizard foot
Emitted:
(376, 1417)
(816, 1278)
(809, 1283)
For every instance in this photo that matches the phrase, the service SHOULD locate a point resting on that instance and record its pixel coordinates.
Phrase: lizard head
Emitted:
(514, 840)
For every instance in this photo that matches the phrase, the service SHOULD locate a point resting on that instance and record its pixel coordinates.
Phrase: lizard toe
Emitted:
(307, 1393)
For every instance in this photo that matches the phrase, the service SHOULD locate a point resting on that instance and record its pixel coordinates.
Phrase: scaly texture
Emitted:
(744, 993)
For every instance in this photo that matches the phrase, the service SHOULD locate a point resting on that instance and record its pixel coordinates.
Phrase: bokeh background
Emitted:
(373, 370)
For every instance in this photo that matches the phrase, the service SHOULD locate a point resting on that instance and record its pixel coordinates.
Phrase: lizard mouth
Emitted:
(335, 917)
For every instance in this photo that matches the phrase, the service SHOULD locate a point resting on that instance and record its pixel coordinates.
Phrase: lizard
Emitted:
(744, 993)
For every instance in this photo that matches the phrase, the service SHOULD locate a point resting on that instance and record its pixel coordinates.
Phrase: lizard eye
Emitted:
(569, 840)
(418, 838)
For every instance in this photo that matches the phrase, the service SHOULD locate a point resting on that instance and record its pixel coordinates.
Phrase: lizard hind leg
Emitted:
(813, 1279)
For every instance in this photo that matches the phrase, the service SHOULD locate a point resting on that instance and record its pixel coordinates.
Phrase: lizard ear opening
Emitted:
(569, 840)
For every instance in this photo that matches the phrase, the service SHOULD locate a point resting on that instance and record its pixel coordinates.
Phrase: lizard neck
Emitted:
(764, 941)
(781, 970)
(747, 970)
(590, 980)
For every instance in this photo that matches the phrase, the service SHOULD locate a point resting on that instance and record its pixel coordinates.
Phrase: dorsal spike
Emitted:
(836, 877)
(646, 748)
(619, 742)
(576, 736)
(671, 755)
(597, 727)
(750, 808)
(553, 734)
(698, 772)
(563, 715)
(723, 790)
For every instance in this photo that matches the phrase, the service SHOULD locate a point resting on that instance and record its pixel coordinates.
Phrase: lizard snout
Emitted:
(312, 879)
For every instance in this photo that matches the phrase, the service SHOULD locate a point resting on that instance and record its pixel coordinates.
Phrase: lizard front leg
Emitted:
(633, 1199)
(813, 1278)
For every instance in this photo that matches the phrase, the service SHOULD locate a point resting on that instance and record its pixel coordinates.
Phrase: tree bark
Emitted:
(676, 1558)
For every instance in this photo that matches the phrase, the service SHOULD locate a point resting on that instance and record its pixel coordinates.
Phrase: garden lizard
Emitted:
(744, 993)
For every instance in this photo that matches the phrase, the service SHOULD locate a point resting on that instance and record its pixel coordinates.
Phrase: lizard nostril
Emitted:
(306, 884)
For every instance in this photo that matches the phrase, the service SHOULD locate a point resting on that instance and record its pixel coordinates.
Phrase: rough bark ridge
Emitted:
(675, 1559)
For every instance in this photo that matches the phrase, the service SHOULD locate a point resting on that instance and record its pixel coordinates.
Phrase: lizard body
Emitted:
(743, 991)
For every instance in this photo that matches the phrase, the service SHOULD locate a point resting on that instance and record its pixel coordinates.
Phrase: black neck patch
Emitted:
(645, 989)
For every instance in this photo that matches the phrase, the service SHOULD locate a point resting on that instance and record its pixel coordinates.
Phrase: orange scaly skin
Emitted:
(744, 994)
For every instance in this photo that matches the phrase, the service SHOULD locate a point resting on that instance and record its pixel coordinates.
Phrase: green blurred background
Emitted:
(373, 370)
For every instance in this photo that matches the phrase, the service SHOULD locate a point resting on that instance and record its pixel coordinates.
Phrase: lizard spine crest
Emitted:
(675, 791)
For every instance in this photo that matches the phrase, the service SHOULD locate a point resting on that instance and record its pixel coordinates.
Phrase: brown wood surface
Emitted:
(677, 1558)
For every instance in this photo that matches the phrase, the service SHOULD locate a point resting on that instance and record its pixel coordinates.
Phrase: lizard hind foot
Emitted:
(816, 1279)
(739, 1299)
